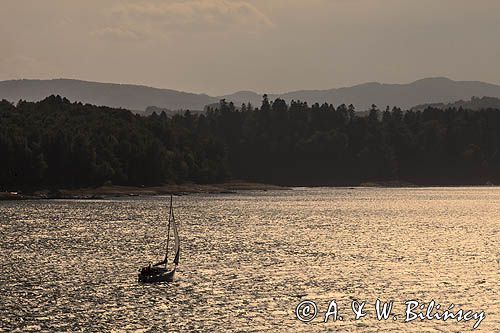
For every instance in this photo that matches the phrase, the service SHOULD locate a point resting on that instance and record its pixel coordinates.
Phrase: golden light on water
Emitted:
(248, 259)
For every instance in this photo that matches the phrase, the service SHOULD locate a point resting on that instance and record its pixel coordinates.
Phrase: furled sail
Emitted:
(170, 220)
(177, 249)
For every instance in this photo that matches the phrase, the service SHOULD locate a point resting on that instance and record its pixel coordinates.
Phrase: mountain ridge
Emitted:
(139, 97)
(128, 96)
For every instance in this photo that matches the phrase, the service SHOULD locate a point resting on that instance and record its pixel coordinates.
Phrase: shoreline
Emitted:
(114, 191)
(231, 187)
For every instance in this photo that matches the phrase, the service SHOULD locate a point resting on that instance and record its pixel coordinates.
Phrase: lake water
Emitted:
(249, 259)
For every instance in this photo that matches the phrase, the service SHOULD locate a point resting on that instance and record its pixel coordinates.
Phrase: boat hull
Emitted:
(163, 276)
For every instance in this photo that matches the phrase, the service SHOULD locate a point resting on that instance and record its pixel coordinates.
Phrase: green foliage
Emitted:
(56, 143)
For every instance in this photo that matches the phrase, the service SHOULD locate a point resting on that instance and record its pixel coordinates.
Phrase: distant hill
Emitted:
(170, 113)
(431, 90)
(475, 104)
(135, 97)
(132, 97)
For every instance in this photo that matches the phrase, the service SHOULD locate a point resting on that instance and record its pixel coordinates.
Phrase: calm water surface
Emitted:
(248, 259)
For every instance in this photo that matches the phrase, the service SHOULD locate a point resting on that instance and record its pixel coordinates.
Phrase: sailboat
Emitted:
(160, 272)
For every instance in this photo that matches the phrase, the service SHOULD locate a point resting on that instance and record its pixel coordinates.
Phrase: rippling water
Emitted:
(248, 259)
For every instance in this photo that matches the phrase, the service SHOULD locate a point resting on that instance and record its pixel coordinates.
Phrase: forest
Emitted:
(55, 143)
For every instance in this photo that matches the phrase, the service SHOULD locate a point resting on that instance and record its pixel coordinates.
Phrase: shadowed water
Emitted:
(248, 259)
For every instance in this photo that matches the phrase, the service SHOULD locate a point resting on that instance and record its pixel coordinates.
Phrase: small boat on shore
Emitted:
(160, 272)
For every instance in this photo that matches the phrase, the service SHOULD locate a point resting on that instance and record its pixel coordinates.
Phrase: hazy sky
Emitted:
(221, 46)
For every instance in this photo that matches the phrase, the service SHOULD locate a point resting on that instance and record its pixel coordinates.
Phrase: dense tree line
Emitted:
(56, 143)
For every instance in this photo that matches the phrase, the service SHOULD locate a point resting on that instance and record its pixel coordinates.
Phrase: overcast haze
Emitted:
(218, 47)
